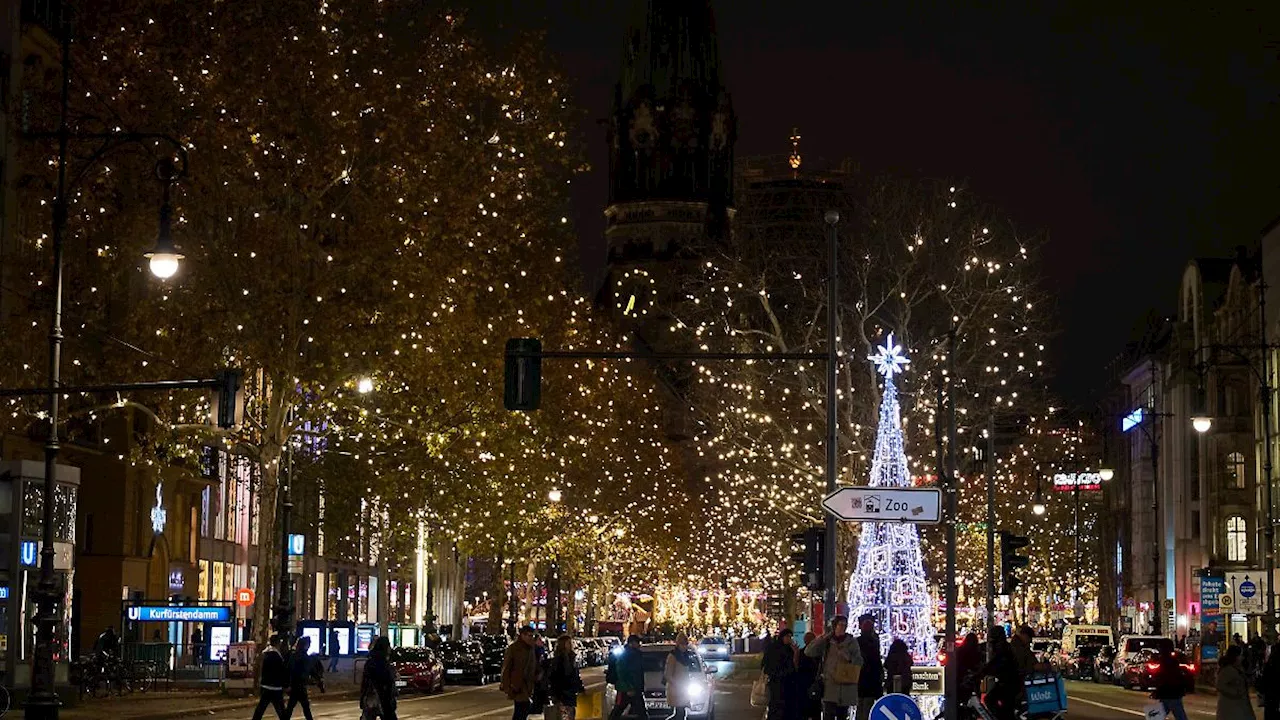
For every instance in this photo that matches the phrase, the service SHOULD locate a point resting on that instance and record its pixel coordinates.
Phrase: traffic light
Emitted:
(228, 399)
(1010, 560)
(522, 389)
(807, 555)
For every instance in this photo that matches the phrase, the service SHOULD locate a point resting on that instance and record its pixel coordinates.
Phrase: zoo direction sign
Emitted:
(882, 504)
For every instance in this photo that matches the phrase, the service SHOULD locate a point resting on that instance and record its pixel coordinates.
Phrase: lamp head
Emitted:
(1202, 423)
(1038, 508)
(555, 495)
(164, 258)
(1106, 473)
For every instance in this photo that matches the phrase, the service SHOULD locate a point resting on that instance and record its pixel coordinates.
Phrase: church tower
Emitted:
(671, 137)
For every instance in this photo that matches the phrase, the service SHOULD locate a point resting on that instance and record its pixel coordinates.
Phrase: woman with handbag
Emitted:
(564, 680)
(378, 684)
(675, 675)
(841, 668)
(806, 684)
(778, 666)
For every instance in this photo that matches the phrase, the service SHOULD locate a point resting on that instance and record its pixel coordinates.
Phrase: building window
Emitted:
(1235, 470)
(1195, 524)
(1237, 539)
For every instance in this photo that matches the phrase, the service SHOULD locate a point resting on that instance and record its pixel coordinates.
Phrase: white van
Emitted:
(1073, 636)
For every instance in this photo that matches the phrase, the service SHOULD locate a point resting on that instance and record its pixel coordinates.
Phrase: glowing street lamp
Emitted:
(555, 495)
(1202, 423)
(1106, 473)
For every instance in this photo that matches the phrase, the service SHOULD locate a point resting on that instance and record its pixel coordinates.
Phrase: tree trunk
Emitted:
(270, 545)
(498, 599)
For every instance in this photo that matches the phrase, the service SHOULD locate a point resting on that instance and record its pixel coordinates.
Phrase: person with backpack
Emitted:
(841, 668)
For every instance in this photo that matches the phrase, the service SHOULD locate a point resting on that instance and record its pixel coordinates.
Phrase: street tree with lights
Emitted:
(916, 257)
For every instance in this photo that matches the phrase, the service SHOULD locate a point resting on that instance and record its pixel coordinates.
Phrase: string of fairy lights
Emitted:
(363, 229)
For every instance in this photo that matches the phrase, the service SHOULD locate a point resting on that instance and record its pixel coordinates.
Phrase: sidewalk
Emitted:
(159, 704)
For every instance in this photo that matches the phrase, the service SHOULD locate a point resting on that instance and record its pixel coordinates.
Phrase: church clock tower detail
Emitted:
(671, 137)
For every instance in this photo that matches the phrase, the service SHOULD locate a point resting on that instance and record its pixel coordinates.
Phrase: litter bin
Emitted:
(591, 705)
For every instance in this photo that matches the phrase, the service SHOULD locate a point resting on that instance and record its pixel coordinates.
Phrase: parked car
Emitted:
(1046, 650)
(592, 651)
(1082, 664)
(1131, 645)
(494, 647)
(463, 661)
(713, 648)
(418, 669)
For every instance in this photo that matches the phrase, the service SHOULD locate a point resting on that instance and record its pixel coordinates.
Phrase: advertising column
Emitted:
(1212, 622)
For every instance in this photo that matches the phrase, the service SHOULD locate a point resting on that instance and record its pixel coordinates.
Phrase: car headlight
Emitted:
(696, 690)
(617, 650)
(702, 651)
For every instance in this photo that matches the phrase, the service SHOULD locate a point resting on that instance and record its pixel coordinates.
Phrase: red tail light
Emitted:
(1152, 667)
(942, 657)
(1190, 668)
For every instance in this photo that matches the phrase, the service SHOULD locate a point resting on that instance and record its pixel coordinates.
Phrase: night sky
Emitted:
(1131, 141)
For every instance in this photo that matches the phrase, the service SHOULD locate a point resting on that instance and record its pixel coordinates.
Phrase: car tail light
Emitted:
(1153, 666)
(1190, 668)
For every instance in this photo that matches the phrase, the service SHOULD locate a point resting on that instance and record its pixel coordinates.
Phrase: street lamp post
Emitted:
(43, 702)
(832, 218)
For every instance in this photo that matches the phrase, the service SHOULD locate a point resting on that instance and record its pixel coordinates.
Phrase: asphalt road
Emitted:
(1107, 702)
(471, 702)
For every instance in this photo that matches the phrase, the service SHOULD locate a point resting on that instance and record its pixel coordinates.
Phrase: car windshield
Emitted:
(711, 641)
(656, 661)
(409, 654)
(1088, 651)
(1133, 645)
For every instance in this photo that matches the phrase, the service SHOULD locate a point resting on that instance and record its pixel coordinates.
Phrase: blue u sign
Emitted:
(297, 544)
(30, 553)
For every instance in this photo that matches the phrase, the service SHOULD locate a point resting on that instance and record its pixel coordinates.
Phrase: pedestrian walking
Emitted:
(272, 680)
(1233, 687)
(197, 646)
(806, 683)
(897, 668)
(520, 673)
(334, 648)
(676, 671)
(627, 676)
(841, 668)
(564, 680)
(1270, 685)
(302, 670)
(779, 665)
(378, 684)
(871, 681)
(1002, 700)
(1172, 683)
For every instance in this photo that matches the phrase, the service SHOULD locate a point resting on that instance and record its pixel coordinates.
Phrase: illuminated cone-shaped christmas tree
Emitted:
(888, 581)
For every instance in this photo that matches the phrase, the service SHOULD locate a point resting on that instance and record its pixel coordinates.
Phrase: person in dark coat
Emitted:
(197, 646)
(563, 679)
(335, 649)
(627, 676)
(808, 704)
(779, 665)
(1172, 683)
(1270, 685)
(897, 667)
(302, 669)
(272, 680)
(378, 684)
(871, 681)
(1002, 700)
(968, 663)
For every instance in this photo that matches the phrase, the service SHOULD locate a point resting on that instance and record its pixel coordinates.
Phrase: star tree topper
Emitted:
(889, 360)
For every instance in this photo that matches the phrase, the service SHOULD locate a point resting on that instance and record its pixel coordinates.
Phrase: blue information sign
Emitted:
(896, 707)
(30, 552)
(1248, 589)
(179, 613)
(297, 544)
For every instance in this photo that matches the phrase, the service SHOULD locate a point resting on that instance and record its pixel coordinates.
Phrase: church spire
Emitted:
(671, 135)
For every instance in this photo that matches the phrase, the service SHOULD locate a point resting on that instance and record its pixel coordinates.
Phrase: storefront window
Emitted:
(203, 592)
(64, 511)
(218, 580)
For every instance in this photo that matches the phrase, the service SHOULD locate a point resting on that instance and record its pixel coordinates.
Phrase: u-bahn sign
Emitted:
(883, 504)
